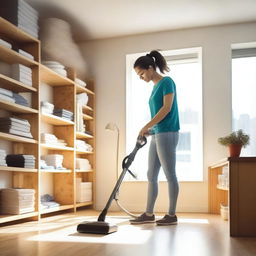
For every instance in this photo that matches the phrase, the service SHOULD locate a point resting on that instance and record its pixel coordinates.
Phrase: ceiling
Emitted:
(98, 19)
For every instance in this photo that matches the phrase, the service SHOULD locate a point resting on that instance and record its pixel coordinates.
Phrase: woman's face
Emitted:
(144, 74)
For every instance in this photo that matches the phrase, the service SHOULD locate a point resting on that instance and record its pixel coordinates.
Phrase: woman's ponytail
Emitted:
(159, 61)
(154, 59)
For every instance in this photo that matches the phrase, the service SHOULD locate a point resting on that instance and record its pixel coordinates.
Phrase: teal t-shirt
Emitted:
(170, 123)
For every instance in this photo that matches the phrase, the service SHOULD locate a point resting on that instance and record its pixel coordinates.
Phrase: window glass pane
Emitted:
(243, 99)
(187, 76)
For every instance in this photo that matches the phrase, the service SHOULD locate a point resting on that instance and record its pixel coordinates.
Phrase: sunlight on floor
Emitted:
(196, 221)
(126, 234)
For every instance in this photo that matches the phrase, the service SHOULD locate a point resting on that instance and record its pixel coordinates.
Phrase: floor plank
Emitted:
(195, 234)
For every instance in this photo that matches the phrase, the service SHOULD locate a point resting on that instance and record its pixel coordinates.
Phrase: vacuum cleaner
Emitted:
(100, 226)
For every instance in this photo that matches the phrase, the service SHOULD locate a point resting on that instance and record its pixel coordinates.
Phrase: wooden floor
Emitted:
(195, 234)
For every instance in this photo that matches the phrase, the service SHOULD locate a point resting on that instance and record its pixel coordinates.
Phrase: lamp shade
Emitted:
(111, 127)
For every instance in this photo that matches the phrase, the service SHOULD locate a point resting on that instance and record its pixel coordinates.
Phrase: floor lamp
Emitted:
(113, 127)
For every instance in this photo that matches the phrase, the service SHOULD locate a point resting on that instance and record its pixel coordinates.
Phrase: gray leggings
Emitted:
(162, 152)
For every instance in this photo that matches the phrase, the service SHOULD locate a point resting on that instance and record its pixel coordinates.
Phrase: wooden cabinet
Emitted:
(64, 91)
(241, 195)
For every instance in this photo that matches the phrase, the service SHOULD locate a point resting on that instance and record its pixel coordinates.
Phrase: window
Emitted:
(186, 70)
(244, 94)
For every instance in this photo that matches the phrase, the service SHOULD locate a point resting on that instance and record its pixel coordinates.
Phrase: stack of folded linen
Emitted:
(26, 54)
(5, 44)
(43, 165)
(80, 82)
(83, 191)
(3, 157)
(83, 164)
(10, 96)
(21, 14)
(80, 125)
(17, 200)
(22, 74)
(20, 160)
(16, 126)
(54, 160)
(6, 95)
(56, 66)
(82, 98)
(47, 201)
(49, 138)
(20, 99)
(5, 69)
(47, 107)
(83, 146)
(63, 113)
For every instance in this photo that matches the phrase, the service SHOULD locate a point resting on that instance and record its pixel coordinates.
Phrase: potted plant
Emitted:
(235, 141)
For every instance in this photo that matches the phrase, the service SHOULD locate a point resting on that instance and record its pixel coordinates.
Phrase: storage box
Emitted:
(83, 191)
(224, 211)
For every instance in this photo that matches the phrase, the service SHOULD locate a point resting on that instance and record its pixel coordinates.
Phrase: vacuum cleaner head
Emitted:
(100, 226)
(97, 227)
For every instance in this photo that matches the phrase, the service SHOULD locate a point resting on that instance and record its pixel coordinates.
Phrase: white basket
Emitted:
(224, 211)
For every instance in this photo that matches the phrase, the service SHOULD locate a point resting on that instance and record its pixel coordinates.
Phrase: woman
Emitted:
(164, 127)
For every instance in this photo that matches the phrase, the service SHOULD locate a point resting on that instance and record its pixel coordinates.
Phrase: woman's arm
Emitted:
(163, 111)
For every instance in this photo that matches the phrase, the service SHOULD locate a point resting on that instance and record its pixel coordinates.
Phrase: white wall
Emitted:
(107, 61)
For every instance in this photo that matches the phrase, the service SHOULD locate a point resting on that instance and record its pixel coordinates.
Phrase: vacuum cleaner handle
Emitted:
(141, 141)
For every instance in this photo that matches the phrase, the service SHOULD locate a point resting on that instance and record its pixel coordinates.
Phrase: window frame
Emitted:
(174, 56)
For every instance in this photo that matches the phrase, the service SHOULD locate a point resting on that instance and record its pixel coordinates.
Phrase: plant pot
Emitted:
(234, 150)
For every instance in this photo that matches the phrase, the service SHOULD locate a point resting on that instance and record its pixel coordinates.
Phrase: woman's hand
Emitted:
(144, 131)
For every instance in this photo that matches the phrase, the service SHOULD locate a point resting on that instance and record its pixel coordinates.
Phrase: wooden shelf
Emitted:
(53, 147)
(82, 135)
(55, 171)
(85, 107)
(11, 31)
(55, 120)
(81, 89)
(222, 188)
(220, 163)
(84, 204)
(13, 217)
(10, 137)
(84, 152)
(87, 117)
(58, 208)
(16, 108)
(12, 57)
(63, 92)
(16, 169)
(52, 78)
(77, 170)
(14, 85)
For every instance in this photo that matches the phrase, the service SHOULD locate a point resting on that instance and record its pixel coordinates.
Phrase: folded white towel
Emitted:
(7, 98)
(6, 92)
(47, 104)
(80, 82)
(21, 68)
(46, 110)
(26, 54)
(60, 71)
(50, 62)
(5, 44)
(27, 7)
(82, 98)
